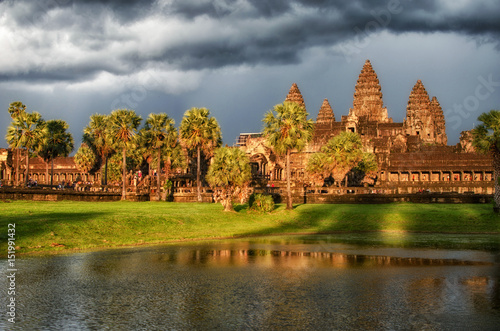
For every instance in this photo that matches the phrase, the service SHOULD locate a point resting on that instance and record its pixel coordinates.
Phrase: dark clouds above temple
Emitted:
(173, 48)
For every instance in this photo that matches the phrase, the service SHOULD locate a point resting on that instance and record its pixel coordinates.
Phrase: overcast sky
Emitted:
(69, 59)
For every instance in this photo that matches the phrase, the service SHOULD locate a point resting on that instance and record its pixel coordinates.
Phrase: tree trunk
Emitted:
(288, 187)
(167, 171)
(18, 156)
(102, 175)
(496, 174)
(228, 201)
(124, 174)
(46, 173)
(52, 170)
(198, 174)
(27, 167)
(158, 173)
(228, 205)
(105, 171)
(52, 173)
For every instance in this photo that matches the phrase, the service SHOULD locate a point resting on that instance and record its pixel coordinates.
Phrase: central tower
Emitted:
(367, 104)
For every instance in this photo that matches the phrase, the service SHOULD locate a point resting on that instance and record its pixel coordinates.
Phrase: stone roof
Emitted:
(294, 95)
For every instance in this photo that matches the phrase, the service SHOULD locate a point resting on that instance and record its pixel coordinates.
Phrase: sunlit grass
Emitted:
(68, 225)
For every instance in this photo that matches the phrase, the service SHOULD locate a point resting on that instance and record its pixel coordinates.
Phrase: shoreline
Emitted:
(69, 226)
(76, 250)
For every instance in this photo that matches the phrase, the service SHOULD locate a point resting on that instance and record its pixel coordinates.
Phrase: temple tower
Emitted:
(368, 102)
(325, 115)
(419, 120)
(294, 95)
(439, 122)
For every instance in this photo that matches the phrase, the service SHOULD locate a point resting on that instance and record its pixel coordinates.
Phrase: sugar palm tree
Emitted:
(123, 125)
(26, 131)
(367, 167)
(160, 134)
(318, 168)
(344, 152)
(287, 128)
(96, 135)
(229, 170)
(15, 110)
(85, 158)
(486, 139)
(199, 131)
(57, 142)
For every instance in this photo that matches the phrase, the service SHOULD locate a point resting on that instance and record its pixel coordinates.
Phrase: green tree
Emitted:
(199, 131)
(344, 152)
(486, 140)
(57, 142)
(229, 171)
(287, 128)
(366, 169)
(171, 158)
(318, 168)
(15, 110)
(123, 125)
(96, 135)
(159, 133)
(85, 158)
(133, 161)
(26, 131)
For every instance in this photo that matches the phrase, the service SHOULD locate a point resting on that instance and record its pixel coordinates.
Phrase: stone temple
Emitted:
(413, 156)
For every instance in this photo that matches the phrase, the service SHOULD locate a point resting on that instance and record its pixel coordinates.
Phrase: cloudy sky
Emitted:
(69, 59)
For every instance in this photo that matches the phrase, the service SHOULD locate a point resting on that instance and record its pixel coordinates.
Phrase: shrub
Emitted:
(261, 202)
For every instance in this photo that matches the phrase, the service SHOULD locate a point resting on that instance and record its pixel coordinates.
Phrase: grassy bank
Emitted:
(68, 225)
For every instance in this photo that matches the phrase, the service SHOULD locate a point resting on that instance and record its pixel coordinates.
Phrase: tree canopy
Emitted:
(159, 133)
(287, 128)
(486, 139)
(229, 173)
(199, 131)
(123, 126)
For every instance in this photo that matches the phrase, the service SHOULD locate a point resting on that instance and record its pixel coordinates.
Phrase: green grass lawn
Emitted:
(69, 225)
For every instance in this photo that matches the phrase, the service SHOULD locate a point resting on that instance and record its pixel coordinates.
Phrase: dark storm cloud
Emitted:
(119, 35)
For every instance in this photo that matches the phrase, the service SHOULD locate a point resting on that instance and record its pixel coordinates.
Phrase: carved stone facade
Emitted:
(411, 155)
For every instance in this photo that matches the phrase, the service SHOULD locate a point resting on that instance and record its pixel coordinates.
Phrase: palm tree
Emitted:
(344, 152)
(15, 110)
(85, 158)
(96, 136)
(123, 124)
(199, 132)
(229, 170)
(287, 130)
(26, 131)
(159, 133)
(317, 168)
(367, 168)
(57, 142)
(486, 139)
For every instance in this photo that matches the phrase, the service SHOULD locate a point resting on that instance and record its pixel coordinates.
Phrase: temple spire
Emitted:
(294, 95)
(367, 100)
(424, 118)
(325, 115)
(439, 122)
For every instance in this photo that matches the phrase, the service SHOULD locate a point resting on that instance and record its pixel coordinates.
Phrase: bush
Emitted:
(261, 202)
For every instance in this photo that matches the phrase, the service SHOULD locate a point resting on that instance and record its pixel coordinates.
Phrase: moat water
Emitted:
(272, 283)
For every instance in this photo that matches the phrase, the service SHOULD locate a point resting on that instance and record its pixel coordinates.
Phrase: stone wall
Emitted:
(8, 193)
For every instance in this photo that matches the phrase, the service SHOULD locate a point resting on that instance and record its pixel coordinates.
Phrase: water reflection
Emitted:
(260, 285)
